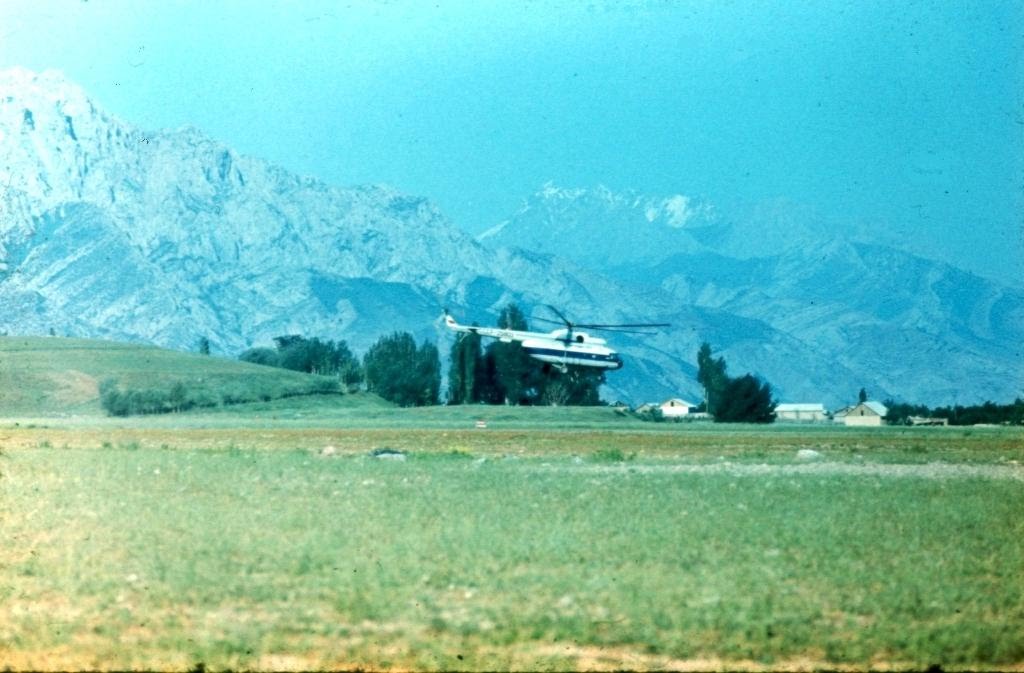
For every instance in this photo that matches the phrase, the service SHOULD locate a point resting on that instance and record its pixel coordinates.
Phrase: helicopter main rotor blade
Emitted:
(568, 323)
(626, 328)
(548, 320)
(612, 327)
(624, 331)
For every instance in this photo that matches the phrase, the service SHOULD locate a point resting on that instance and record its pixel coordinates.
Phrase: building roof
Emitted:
(802, 406)
(877, 407)
(678, 403)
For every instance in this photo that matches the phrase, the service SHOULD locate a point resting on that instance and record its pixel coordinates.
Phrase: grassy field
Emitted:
(236, 540)
(267, 535)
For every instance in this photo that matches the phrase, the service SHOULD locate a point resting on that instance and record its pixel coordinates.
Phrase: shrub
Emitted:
(746, 400)
(612, 456)
(183, 395)
(651, 414)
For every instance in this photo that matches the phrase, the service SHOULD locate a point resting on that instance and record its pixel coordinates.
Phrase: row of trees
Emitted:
(746, 399)
(399, 370)
(503, 373)
(118, 401)
(402, 372)
(988, 413)
(313, 356)
(395, 367)
(161, 397)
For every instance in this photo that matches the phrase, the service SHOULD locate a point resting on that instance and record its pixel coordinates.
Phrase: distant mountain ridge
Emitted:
(166, 237)
(917, 324)
(599, 228)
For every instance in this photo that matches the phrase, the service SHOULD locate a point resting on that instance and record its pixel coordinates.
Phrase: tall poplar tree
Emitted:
(517, 378)
(463, 374)
(711, 374)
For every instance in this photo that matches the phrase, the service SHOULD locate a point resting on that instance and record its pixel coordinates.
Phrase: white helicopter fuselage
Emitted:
(561, 347)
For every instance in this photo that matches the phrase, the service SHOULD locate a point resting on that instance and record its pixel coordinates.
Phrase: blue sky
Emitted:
(908, 114)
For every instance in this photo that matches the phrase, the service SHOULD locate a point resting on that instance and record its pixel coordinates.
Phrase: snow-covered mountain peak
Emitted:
(590, 225)
(550, 191)
(679, 211)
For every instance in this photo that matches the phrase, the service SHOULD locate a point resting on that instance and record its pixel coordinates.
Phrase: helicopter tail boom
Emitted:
(504, 335)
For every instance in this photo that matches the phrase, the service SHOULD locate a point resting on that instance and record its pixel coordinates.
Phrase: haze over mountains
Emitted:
(166, 237)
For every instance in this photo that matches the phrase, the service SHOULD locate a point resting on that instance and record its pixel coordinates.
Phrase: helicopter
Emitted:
(561, 347)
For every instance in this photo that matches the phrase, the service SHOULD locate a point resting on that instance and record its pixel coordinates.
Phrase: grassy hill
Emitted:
(53, 375)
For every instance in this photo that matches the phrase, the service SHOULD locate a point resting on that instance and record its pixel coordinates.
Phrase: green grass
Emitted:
(46, 376)
(554, 538)
(144, 558)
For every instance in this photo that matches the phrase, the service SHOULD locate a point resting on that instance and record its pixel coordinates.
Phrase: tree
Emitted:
(505, 373)
(488, 389)
(177, 399)
(285, 341)
(261, 356)
(463, 375)
(517, 378)
(746, 400)
(313, 356)
(204, 346)
(862, 396)
(428, 374)
(711, 374)
(556, 393)
(351, 373)
(900, 412)
(578, 386)
(400, 372)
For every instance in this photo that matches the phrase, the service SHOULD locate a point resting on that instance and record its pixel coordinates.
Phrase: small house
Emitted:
(676, 408)
(801, 413)
(646, 408)
(866, 414)
(839, 415)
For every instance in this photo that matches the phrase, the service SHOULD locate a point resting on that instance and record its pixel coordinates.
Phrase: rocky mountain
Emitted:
(923, 329)
(165, 237)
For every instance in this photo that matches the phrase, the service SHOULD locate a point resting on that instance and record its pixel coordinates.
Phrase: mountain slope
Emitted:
(182, 213)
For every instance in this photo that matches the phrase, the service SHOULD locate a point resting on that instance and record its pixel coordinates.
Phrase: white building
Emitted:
(866, 414)
(676, 408)
(801, 413)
